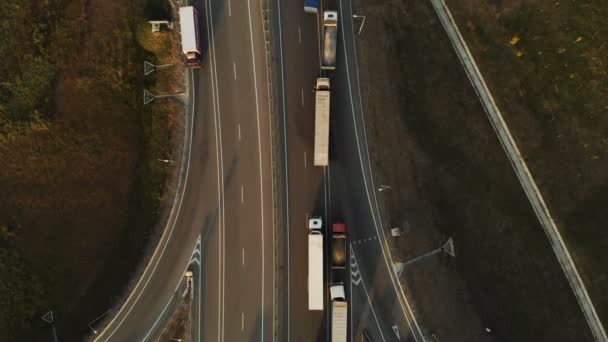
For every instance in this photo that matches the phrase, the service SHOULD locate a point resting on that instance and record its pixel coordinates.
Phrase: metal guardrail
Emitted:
(521, 169)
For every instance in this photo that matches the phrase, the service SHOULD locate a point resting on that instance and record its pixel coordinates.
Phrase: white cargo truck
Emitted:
(315, 264)
(330, 39)
(339, 313)
(321, 148)
(189, 30)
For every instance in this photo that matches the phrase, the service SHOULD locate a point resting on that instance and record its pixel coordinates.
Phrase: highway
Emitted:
(221, 224)
(344, 191)
(305, 183)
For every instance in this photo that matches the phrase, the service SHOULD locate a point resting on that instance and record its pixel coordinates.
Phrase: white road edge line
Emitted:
(158, 248)
(174, 291)
(366, 294)
(257, 111)
(220, 166)
(396, 284)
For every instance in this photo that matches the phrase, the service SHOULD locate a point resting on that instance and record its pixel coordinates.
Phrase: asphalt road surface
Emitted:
(344, 191)
(306, 184)
(222, 224)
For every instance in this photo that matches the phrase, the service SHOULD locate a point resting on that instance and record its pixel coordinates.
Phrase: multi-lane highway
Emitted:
(221, 224)
(344, 191)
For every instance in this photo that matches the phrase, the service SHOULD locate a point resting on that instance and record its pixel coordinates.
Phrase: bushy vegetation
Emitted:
(81, 182)
(21, 291)
(30, 58)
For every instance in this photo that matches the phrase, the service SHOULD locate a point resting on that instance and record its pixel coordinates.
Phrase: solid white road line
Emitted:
(396, 284)
(220, 163)
(170, 232)
(171, 298)
(257, 111)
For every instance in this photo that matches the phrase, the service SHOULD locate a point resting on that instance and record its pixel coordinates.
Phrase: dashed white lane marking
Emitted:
(242, 321)
(242, 194)
(299, 35)
(302, 90)
(304, 159)
(234, 69)
(239, 130)
(364, 240)
(229, 9)
(243, 256)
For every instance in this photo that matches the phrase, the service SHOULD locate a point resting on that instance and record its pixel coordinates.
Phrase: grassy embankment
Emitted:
(81, 184)
(450, 177)
(547, 66)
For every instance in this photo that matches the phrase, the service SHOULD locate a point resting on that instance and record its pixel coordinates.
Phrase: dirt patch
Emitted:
(450, 178)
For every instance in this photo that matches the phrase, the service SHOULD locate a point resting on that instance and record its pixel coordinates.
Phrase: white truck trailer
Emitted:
(339, 313)
(330, 39)
(189, 30)
(315, 264)
(321, 148)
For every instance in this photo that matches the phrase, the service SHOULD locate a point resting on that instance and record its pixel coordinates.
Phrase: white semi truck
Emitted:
(189, 30)
(339, 313)
(315, 264)
(321, 148)
(330, 39)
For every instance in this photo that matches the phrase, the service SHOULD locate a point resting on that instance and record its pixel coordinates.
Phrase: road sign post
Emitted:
(50, 319)
(150, 68)
(362, 22)
(447, 248)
